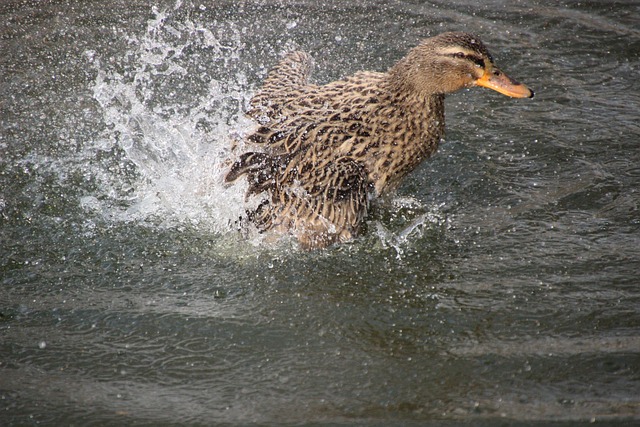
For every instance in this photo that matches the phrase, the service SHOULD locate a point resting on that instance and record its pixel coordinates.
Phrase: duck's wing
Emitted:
(291, 72)
(262, 170)
(323, 205)
(284, 83)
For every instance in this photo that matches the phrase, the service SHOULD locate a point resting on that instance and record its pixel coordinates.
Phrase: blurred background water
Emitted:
(500, 284)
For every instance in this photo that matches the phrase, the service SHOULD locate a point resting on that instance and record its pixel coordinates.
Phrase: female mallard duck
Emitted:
(328, 150)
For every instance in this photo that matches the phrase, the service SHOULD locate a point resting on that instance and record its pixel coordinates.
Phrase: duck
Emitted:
(320, 154)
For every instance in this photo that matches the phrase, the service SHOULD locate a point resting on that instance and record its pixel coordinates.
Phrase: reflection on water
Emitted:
(499, 284)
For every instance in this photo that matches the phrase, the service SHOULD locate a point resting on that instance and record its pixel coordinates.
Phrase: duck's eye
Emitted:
(478, 61)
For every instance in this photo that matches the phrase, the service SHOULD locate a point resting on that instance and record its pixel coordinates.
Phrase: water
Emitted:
(499, 285)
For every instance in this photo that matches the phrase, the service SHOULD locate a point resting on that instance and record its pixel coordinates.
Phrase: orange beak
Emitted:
(500, 82)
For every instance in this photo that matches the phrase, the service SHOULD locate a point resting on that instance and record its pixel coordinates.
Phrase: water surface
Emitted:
(500, 284)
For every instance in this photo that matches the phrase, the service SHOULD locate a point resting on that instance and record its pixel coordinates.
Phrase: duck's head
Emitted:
(452, 61)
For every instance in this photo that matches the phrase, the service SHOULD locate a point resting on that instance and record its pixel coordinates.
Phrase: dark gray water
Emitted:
(500, 285)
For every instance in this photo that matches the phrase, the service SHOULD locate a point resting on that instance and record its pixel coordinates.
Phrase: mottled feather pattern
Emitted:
(327, 207)
(310, 134)
(322, 152)
(359, 117)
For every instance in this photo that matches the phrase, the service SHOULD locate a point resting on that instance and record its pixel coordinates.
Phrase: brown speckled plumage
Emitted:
(326, 150)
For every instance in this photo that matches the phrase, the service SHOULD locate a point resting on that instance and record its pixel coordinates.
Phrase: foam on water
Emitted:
(174, 122)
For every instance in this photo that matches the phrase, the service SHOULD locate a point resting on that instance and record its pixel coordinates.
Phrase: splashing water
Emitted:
(175, 122)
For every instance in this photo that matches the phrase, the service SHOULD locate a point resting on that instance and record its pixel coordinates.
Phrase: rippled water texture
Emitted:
(500, 284)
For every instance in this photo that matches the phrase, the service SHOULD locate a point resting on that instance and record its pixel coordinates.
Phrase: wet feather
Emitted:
(326, 151)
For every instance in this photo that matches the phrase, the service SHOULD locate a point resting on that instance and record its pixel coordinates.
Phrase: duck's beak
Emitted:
(500, 82)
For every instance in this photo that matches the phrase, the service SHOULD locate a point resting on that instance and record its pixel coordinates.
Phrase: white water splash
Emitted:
(399, 240)
(175, 122)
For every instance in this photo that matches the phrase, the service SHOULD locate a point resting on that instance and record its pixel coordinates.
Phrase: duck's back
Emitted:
(294, 114)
